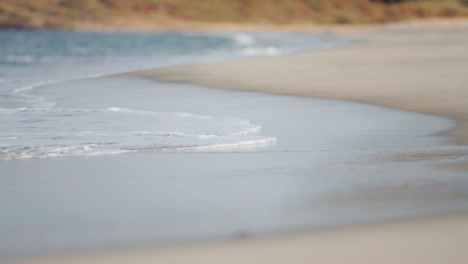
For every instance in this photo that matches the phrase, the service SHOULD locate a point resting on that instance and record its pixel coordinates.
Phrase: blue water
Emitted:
(32, 126)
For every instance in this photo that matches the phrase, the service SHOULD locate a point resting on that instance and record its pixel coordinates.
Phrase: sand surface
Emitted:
(416, 67)
(436, 240)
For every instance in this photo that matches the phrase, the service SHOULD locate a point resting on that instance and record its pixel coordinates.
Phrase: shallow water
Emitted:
(329, 167)
(32, 126)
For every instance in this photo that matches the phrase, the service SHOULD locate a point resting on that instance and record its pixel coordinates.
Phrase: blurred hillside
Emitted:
(149, 14)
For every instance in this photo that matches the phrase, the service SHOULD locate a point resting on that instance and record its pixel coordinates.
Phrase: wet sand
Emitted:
(417, 67)
(435, 240)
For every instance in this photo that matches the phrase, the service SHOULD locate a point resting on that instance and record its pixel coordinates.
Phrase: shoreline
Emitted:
(416, 67)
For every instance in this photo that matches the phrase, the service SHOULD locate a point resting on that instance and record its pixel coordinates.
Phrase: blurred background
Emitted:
(153, 14)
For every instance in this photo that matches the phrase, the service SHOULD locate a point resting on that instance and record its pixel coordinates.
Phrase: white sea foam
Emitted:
(117, 109)
(28, 87)
(71, 132)
(33, 86)
(244, 39)
(259, 51)
(244, 143)
(96, 75)
(20, 58)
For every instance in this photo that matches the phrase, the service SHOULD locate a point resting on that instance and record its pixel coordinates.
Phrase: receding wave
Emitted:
(20, 59)
(117, 130)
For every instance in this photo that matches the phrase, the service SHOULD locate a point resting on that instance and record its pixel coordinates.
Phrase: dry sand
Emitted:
(417, 67)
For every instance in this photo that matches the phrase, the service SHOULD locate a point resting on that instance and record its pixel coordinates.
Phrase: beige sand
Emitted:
(419, 67)
(438, 240)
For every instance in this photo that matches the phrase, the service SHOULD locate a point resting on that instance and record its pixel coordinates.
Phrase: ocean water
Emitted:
(32, 126)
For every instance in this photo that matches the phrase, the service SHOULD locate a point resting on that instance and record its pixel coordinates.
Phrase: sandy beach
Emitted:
(420, 67)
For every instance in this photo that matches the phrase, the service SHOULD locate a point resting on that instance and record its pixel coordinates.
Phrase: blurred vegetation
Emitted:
(89, 14)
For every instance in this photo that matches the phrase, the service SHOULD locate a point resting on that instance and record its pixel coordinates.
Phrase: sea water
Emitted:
(32, 126)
